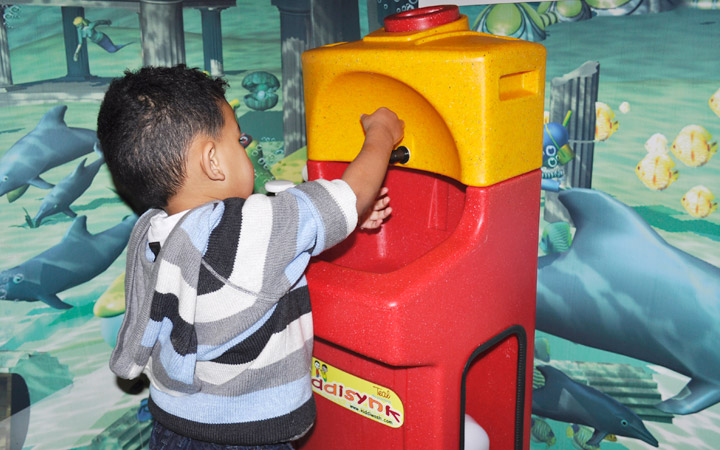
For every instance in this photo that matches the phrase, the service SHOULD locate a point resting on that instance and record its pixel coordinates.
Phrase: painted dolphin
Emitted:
(50, 144)
(79, 257)
(567, 400)
(68, 190)
(621, 288)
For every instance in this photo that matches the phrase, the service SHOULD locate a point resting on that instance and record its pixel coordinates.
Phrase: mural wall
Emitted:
(628, 308)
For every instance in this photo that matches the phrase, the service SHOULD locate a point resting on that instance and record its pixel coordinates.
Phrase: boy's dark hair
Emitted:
(146, 123)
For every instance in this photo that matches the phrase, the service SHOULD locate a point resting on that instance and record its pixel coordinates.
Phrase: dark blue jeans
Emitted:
(164, 439)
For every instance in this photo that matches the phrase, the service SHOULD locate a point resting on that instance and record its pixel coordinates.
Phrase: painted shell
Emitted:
(566, 11)
(262, 87)
(517, 20)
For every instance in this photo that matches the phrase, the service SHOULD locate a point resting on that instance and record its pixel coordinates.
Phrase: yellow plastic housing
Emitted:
(472, 102)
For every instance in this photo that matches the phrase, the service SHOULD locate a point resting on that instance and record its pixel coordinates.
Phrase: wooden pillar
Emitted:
(576, 91)
(80, 69)
(372, 16)
(334, 21)
(212, 41)
(5, 69)
(161, 28)
(295, 39)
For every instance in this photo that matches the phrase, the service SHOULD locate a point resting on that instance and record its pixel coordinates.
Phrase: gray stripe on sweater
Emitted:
(279, 253)
(160, 375)
(335, 230)
(295, 366)
(181, 256)
(137, 310)
(222, 330)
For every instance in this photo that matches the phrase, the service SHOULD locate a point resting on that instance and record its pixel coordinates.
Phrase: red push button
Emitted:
(422, 18)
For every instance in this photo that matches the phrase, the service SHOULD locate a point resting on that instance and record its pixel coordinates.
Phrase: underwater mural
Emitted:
(628, 259)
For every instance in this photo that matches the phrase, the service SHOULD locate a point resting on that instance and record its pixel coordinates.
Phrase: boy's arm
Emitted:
(366, 172)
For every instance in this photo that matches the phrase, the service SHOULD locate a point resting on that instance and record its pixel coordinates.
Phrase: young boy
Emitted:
(217, 307)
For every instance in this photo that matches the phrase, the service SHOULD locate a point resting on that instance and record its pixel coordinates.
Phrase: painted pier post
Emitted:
(295, 39)
(80, 69)
(212, 41)
(334, 21)
(576, 91)
(5, 68)
(161, 28)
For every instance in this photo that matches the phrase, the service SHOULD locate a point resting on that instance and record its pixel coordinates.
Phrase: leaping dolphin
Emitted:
(566, 400)
(50, 144)
(68, 190)
(621, 288)
(79, 257)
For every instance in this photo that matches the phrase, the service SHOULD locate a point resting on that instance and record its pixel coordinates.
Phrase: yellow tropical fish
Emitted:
(656, 171)
(657, 143)
(699, 202)
(714, 102)
(693, 146)
(112, 302)
(605, 122)
(580, 434)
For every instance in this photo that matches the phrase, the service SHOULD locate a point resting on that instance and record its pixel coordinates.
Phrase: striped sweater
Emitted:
(220, 320)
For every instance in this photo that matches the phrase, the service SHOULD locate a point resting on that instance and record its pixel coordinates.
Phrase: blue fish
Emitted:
(621, 288)
(566, 400)
(68, 190)
(50, 144)
(542, 349)
(556, 237)
(79, 257)
(540, 431)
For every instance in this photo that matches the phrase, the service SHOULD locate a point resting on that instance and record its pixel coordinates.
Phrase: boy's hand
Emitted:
(383, 125)
(378, 212)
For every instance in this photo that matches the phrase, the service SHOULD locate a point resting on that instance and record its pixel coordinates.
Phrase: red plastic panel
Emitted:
(412, 326)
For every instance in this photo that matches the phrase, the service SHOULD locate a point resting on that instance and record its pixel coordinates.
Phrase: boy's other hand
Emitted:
(378, 213)
(383, 124)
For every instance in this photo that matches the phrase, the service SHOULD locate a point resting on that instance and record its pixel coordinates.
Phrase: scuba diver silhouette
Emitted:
(86, 30)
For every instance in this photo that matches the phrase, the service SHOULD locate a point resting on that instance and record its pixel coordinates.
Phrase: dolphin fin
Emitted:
(70, 213)
(79, 227)
(596, 438)
(695, 396)
(54, 117)
(98, 150)
(54, 301)
(53, 272)
(17, 193)
(40, 183)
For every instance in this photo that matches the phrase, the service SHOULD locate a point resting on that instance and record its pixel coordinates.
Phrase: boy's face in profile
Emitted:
(241, 172)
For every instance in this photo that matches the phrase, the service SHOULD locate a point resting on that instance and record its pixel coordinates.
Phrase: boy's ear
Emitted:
(210, 161)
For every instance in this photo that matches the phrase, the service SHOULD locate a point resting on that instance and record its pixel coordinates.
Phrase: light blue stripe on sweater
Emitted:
(208, 352)
(310, 232)
(309, 214)
(216, 409)
(152, 330)
(200, 223)
(178, 367)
